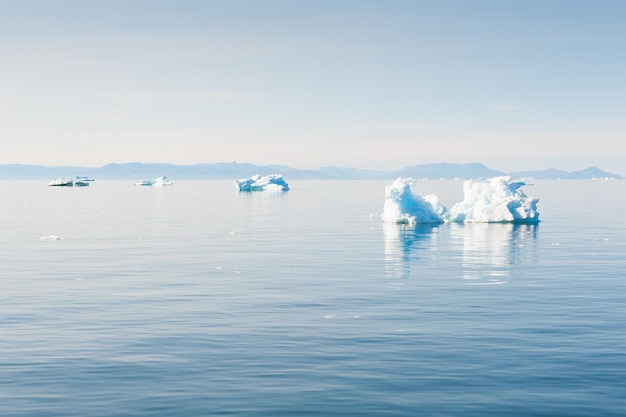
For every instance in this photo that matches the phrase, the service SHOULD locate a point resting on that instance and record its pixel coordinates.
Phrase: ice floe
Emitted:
(495, 200)
(262, 183)
(157, 182)
(50, 237)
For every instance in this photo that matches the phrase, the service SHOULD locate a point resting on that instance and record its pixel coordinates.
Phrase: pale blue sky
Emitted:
(369, 84)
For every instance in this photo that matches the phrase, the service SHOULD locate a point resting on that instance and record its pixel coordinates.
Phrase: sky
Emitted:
(516, 85)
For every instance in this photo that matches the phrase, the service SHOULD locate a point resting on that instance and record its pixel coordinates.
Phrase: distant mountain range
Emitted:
(236, 170)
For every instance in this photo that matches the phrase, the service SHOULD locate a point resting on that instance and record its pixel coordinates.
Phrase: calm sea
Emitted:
(196, 300)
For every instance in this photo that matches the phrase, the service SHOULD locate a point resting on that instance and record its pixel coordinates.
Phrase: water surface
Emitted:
(199, 300)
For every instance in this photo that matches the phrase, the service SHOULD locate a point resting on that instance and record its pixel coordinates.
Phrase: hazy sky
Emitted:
(368, 84)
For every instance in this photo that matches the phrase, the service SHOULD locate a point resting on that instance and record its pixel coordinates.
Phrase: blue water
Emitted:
(196, 300)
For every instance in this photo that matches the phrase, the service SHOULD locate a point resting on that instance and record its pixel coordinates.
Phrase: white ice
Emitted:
(496, 200)
(259, 183)
(403, 205)
(158, 182)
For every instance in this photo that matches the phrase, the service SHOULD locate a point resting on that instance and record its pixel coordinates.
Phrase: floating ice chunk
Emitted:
(158, 182)
(403, 205)
(259, 183)
(51, 237)
(496, 200)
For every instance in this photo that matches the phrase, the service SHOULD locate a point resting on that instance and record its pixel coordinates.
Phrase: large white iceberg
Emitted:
(403, 205)
(496, 200)
(259, 183)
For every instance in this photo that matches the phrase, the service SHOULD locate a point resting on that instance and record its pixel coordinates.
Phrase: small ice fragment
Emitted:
(258, 183)
(157, 182)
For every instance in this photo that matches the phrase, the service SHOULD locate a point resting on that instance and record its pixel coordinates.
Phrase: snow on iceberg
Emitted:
(259, 183)
(496, 200)
(403, 205)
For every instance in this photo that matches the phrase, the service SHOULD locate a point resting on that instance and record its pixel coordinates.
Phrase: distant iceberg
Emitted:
(496, 200)
(403, 205)
(158, 182)
(51, 237)
(259, 183)
(79, 181)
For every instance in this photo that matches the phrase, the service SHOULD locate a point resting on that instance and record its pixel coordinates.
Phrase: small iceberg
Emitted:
(79, 181)
(404, 206)
(82, 181)
(61, 182)
(496, 200)
(51, 237)
(259, 183)
(157, 182)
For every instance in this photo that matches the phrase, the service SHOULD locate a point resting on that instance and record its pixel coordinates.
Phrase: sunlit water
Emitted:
(196, 300)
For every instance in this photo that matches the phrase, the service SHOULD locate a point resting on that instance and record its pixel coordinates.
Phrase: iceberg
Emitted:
(79, 181)
(158, 182)
(51, 237)
(61, 182)
(259, 183)
(496, 200)
(404, 206)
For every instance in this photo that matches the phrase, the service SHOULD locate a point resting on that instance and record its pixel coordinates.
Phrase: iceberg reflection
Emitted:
(400, 241)
(491, 250)
(479, 253)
